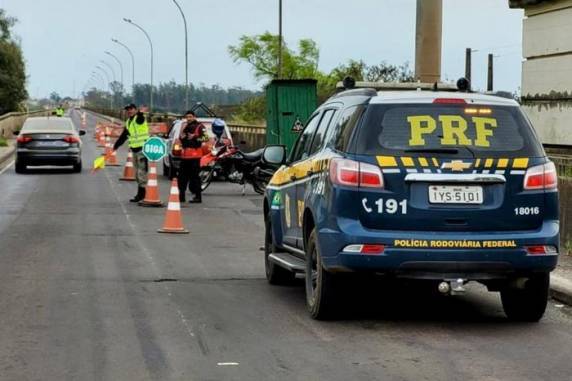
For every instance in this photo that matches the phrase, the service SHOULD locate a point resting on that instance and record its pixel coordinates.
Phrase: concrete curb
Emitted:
(7, 155)
(561, 288)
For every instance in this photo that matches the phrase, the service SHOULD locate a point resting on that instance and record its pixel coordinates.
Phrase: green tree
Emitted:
(261, 52)
(12, 68)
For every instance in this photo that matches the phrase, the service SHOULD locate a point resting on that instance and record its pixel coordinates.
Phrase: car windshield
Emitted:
(48, 125)
(458, 130)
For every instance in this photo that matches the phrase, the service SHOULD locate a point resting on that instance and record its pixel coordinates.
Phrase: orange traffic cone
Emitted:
(101, 138)
(110, 155)
(128, 170)
(173, 220)
(152, 197)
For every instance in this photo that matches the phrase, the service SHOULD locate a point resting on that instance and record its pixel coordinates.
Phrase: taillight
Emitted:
(355, 174)
(541, 250)
(24, 139)
(365, 249)
(71, 139)
(541, 177)
(450, 101)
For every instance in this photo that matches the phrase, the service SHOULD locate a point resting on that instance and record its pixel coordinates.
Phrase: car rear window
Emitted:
(461, 130)
(48, 125)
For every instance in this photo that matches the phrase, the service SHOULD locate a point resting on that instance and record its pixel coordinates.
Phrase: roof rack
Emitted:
(401, 86)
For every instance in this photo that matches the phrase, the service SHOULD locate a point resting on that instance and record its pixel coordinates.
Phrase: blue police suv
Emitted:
(447, 187)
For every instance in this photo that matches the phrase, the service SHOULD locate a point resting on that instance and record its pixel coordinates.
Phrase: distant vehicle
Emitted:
(172, 161)
(48, 141)
(442, 187)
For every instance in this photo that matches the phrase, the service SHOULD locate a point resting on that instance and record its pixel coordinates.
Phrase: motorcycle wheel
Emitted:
(206, 176)
(259, 186)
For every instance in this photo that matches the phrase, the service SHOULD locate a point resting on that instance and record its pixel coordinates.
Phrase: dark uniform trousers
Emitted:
(189, 175)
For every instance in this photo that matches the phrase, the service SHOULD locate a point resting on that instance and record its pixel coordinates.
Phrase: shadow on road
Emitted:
(48, 171)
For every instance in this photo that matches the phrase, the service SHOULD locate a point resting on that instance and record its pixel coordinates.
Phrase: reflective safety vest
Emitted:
(138, 133)
(60, 112)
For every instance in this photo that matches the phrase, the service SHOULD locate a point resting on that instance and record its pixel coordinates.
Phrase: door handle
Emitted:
(293, 178)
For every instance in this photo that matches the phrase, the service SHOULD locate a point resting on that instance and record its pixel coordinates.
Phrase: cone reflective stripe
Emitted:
(111, 156)
(128, 170)
(100, 139)
(152, 197)
(173, 220)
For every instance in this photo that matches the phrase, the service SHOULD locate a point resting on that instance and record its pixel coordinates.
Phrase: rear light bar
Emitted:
(365, 249)
(355, 174)
(541, 250)
(541, 177)
(450, 101)
(24, 139)
(71, 139)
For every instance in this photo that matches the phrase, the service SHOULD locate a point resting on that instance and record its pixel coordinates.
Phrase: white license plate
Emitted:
(48, 143)
(455, 194)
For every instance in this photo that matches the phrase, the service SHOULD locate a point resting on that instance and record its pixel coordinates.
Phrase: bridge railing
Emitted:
(13, 121)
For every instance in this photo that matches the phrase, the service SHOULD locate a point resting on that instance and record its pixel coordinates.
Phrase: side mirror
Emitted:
(275, 155)
(82, 132)
(16, 133)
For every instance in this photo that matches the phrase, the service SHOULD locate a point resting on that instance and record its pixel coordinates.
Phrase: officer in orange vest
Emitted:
(193, 135)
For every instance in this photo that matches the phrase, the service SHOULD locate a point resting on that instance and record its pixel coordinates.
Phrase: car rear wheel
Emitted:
(527, 304)
(20, 167)
(275, 274)
(322, 287)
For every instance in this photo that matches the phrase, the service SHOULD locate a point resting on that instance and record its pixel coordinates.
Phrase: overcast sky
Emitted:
(63, 40)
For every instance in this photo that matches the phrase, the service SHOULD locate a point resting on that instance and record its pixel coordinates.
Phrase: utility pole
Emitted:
(132, 63)
(490, 79)
(129, 21)
(428, 41)
(280, 39)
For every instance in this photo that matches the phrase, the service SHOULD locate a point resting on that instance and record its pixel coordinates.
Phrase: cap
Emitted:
(129, 106)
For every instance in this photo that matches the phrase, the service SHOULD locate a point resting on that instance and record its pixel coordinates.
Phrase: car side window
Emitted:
(322, 131)
(303, 145)
(339, 136)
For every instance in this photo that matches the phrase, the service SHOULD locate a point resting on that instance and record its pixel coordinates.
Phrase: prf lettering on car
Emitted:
(454, 128)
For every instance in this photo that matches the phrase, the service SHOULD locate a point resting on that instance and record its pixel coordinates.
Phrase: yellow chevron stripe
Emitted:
(503, 163)
(408, 162)
(435, 162)
(386, 161)
(520, 163)
(423, 162)
(489, 163)
(477, 163)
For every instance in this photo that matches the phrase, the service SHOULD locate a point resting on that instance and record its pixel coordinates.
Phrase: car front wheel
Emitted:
(528, 303)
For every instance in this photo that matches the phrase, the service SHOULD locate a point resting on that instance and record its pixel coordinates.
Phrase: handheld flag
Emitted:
(98, 164)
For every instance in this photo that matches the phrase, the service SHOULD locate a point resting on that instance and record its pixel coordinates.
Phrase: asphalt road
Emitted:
(90, 291)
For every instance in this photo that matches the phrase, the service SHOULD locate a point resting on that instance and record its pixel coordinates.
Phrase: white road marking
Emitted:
(228, 364)
(7, 166)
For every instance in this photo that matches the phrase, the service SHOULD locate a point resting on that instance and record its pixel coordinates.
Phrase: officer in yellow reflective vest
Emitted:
(137, 132)
(60, 112)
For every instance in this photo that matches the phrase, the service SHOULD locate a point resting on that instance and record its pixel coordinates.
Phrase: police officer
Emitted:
(137, 132)
(193, 135)
(60, 112)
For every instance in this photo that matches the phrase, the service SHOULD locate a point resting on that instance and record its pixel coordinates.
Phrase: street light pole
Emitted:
(108, 84)
(129, 21)
(187, 89)
(132, 63)
(120, 67)
(280, 38)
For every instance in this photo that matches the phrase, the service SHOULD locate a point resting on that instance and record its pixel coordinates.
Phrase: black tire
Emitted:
(275, 274)
(529, 303)
(206, 175)
(77, 167)
(322, 287)
(20, 167)
(259, 186)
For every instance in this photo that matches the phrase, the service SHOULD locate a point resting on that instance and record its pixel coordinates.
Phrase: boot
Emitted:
(196, 199)
(140, 195)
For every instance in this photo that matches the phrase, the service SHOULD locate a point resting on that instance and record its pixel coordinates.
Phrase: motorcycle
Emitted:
(235, 166)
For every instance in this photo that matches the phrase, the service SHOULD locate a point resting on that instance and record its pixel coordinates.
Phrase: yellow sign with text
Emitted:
(453, 130)
(454, 244)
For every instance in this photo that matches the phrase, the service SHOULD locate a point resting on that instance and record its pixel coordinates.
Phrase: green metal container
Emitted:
(289, 104)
